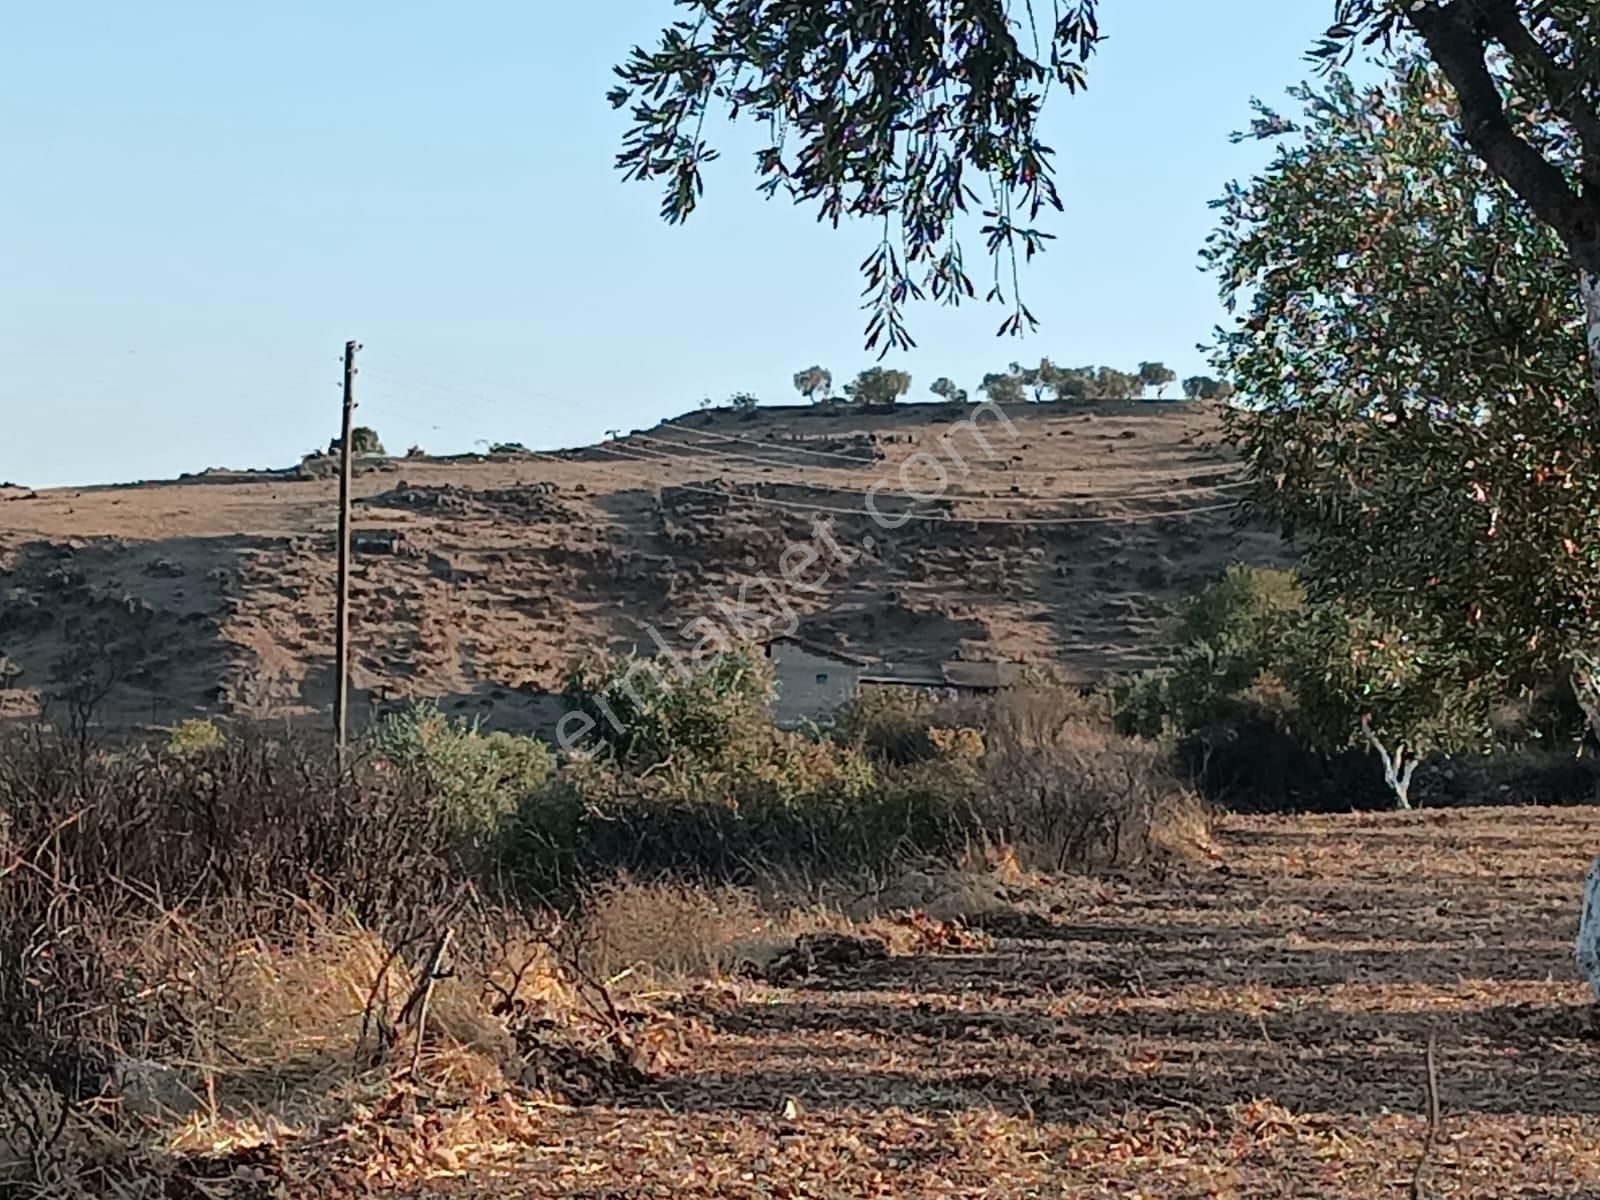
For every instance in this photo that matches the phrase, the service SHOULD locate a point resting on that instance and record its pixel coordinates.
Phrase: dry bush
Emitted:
(232, 931)
(635, 933)
(666, 929)
(1065, 789)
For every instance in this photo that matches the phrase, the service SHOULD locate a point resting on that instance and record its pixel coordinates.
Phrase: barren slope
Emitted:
(479, 579)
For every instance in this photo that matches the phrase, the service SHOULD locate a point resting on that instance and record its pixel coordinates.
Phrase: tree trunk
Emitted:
(1397, 768)
(1589, 284)
(1588, 949)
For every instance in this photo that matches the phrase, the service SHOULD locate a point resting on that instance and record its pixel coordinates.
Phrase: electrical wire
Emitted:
(939, 518)
(982, 497)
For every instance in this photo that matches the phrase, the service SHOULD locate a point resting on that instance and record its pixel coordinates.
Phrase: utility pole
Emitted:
(341, 635)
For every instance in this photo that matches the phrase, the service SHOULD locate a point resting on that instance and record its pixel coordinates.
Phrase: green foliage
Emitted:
(1527, 73)
(813, 807)
(1204, 387)
(1068, 384)
(1156, 375)
(890, 724)
(1421, 421)
(1002, 389)
(814, 383)
(1251, 650)
(476, 778)
(1358, 682)
(743, 402)
(647, 711)
(947, 391)
(1227, 637)
(363, 440)
(695, 779)
(835, 87)
(878, 386)
(1038, 380)
(194, 737)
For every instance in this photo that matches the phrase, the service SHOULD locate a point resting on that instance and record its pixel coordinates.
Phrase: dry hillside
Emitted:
(478, 579)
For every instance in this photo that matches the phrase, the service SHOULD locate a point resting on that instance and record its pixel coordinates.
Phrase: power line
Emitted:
(982, 497)
(939, 518)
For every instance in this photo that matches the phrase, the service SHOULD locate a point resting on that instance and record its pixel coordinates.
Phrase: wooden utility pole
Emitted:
(341, 635)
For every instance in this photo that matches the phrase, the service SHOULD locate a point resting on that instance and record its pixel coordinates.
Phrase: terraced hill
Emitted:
(1061, 536)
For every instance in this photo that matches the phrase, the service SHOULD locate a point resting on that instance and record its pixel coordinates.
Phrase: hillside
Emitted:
(478, 579)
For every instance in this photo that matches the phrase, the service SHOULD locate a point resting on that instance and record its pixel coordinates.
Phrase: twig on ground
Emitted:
(422, 995)
(1433, 1118)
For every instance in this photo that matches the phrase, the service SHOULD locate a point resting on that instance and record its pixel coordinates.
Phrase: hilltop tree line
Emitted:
(879, 386)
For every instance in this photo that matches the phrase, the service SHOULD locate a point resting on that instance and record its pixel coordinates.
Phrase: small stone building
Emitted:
(813, 680)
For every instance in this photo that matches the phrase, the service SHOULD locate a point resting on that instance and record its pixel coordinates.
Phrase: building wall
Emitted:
(811, 687)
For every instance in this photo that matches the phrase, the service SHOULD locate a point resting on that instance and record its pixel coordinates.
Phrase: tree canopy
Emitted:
(878, 386)
(905, 113)
(1420, 421)
(814, 383)
(912, 113)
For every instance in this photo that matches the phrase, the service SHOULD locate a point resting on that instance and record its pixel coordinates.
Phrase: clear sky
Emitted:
(200, 202)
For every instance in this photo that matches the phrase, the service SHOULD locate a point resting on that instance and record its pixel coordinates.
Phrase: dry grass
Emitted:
(666, 930)
(1249, 1030)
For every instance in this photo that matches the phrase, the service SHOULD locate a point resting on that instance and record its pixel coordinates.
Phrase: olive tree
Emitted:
(1002, 388)
(878, 386)
(1419, 423)
(1156, 375)
(1526, 78)
(814, 383)
(909, 113)
(1358, 681)
(905, 114)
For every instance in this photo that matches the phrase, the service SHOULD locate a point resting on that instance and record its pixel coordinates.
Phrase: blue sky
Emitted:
(202, 202)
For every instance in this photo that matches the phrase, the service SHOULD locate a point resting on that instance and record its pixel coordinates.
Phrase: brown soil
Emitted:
(1254, 1027)
(1250, 1029)
(478, 580)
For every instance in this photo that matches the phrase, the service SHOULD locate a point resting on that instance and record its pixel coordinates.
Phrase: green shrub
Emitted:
(1228, 638)
(476, 778)
(890, 723)
(197, 736)
(363, 440)
(643, 712)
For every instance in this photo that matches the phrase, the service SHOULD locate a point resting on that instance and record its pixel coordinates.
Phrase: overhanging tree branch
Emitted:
(1458, 35)
(1562, 86)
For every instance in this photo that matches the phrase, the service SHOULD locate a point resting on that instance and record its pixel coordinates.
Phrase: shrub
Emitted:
(664, 928)
(642, 712)
(476, 778)
(1226, 637)
(98, 842)
(194, 737)
(816, 807)
(891, 724)
(363, 440)
(1065, 789)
